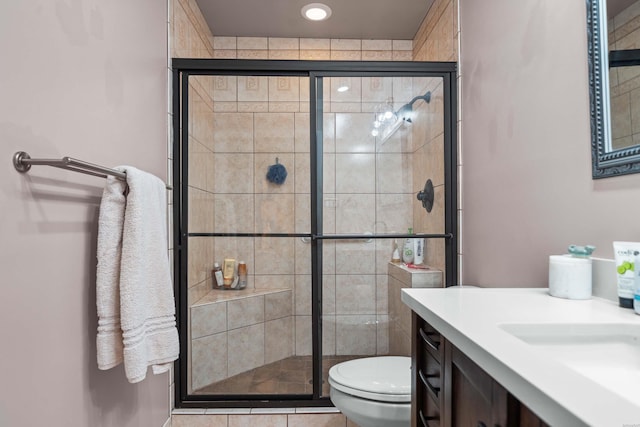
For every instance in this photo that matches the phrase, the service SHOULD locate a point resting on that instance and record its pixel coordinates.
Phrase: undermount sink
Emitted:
(607, 353)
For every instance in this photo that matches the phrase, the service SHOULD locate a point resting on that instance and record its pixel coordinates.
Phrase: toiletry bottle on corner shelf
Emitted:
(407, 251)
(217, 276)
(242, 275)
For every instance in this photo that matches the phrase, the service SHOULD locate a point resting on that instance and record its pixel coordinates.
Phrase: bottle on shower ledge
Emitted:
(217, 276)
(395, 257)
(407, 250)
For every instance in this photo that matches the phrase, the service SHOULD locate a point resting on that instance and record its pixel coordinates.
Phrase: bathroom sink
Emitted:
(608, 353)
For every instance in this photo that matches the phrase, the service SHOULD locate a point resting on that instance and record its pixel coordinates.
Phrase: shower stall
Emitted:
(358, 141)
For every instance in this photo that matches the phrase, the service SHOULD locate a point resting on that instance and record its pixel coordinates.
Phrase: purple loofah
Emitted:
(277, 173)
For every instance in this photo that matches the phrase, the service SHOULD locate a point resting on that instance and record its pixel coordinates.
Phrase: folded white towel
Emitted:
(142, 281)
(109, 252)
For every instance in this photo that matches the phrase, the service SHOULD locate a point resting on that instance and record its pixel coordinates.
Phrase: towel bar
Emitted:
(23, 162)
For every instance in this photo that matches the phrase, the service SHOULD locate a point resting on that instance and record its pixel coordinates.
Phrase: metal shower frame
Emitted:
(183, 69)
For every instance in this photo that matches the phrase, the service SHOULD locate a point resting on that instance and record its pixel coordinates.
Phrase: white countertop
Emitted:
(471, 319)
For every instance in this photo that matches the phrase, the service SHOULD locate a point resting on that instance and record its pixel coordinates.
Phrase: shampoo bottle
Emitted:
(407, 251)
(418, 251)
(217, 275)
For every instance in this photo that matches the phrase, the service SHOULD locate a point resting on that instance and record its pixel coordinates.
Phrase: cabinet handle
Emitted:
(481, 424)
(425, 336)
(432, 389)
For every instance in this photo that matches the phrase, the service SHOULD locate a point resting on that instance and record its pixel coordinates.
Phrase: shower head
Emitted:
(405, 111)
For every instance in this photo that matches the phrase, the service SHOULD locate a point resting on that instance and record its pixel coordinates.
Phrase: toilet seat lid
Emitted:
(385, 378)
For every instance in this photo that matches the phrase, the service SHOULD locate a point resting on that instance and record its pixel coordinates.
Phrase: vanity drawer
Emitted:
(429, 413)
(430, 339)
(430, 374)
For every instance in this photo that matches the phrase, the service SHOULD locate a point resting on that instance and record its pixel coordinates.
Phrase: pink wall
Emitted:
(527, 190)
(86, 79)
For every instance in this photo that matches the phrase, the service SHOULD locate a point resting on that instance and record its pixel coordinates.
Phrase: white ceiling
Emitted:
(350, 19)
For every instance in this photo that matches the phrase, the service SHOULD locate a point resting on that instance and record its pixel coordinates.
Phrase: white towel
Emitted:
(142, 330)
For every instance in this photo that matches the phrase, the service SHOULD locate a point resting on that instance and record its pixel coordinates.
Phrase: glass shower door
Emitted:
(248, 198)
(382, 139)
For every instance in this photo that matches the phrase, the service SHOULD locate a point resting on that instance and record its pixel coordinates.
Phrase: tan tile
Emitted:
(303, 257)
(355, 173)
(402, 55)
(328, 334)
(328, 294)
(303, 335)
(199, 263)
(274, 132)
(225, 107)
(179, 420)
(301, 132)
(317, 420)
(284, 54)
(208, 319)
(252, 43)
(355, 294)
(278, 43)
(346, 44)
(315, 55)
(274, 281)
(376, 45)
(281, 347)
(275, 214)
(233, 173)
(402, 44)
(303, 295)
(274, 256)
(346, 55)
(278, 305)
(253, 89)
(246, 349)
(200, 211)
(253, 54)
(225, 54)
(356, 334)
(208, 360)
(253, 107)
(353, 133)
(377, 55)
(382, 294)
(225, 88)
(354, 94)
(376, 89)
(245, 312)
(315, 44)
(382, 335)
(284, 89)
(258, 420)
(225, 43)
(232, 132)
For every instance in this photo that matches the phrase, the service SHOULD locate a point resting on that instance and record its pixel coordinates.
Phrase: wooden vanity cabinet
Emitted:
(450, 390)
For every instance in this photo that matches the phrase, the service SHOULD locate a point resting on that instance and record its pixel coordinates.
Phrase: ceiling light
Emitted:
(316, 12)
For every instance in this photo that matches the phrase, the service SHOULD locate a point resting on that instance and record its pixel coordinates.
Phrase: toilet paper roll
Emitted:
(569, 277)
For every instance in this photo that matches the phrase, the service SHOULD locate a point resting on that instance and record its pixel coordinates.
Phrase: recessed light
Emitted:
(316, 12)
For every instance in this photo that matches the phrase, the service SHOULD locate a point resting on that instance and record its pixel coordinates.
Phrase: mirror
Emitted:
(614, 83)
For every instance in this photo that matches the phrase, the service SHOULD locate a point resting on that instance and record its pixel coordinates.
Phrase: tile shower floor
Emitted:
(292, 375)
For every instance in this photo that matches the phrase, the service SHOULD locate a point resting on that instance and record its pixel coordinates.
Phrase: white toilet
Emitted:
(373, 391)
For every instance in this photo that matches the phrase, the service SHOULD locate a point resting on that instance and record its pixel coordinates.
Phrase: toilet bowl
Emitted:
(373, 391)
